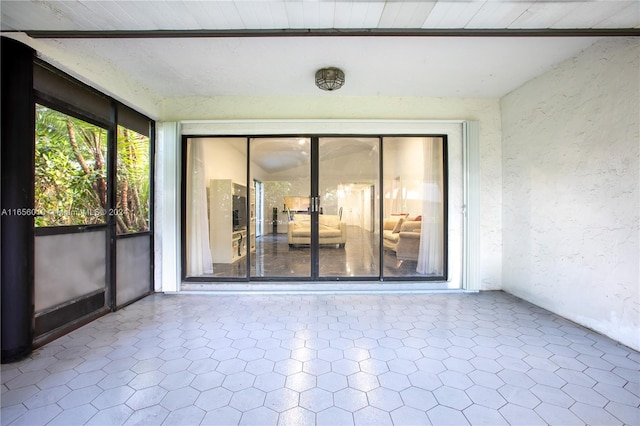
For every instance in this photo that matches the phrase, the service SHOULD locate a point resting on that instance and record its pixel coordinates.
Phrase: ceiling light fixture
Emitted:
(330, 78)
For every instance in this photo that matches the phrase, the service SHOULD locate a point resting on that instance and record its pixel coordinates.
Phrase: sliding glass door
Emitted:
(283, 166)
(348, 220)
(414, 207)
(316, 208)
(216, 224)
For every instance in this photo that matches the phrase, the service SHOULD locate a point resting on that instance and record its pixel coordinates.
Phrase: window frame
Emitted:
(54, 89)
(50, 99)
(77, 228)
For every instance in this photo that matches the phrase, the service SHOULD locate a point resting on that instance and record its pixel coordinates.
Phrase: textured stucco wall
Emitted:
(571, 197)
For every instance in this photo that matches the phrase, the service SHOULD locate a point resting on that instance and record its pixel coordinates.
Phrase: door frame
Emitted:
(313, 190)
(463, 269)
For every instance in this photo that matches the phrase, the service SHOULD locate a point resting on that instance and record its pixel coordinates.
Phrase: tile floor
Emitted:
(360, 257)
(485, 358)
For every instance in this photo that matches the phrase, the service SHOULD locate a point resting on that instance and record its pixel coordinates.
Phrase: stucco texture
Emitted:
(570, 161)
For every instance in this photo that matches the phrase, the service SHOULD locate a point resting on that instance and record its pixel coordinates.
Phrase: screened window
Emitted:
(132, 196)
(70, 170)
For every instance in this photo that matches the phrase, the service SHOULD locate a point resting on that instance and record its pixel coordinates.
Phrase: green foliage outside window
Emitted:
(132, 201)
(70, 170)
(71, 174)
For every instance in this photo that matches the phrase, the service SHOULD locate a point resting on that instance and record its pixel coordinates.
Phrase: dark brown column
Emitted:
(17, 168)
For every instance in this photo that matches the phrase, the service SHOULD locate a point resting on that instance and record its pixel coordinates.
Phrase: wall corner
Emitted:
(471, 192)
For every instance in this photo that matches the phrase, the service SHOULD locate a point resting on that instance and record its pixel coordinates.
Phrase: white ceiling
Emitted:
(373, 66)
(415, 65)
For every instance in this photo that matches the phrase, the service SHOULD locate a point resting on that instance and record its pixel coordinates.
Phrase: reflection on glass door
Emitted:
(348, 230)
(283, 166)
(259, 210)
(217, 208)
(414, 207)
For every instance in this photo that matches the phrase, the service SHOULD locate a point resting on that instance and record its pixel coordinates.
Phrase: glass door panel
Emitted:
(414, 207)
(217, 208)
(348, 220)
(283, 168)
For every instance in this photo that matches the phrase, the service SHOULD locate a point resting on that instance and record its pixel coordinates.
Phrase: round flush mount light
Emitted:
(330, 78)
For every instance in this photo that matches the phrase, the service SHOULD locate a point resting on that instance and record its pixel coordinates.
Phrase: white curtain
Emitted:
(198, 251)
(430, 254)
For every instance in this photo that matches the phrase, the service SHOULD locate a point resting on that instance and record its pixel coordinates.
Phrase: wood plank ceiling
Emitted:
(94, 15)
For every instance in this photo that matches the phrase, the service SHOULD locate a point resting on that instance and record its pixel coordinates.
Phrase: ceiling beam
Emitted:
(578, 32)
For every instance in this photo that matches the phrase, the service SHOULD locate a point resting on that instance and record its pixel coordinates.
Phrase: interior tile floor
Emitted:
(372, 359)
(359, 257)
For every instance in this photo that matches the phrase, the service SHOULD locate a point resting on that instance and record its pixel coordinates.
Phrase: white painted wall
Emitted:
(571, 189)
(225, 158)
(167, 208)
